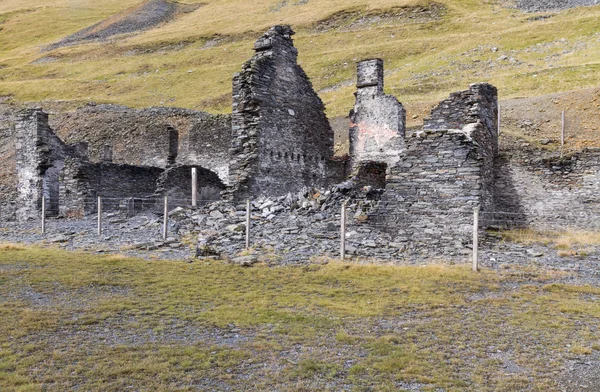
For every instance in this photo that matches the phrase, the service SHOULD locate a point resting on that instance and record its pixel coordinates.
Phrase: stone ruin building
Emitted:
(281, 140)
(418, 188)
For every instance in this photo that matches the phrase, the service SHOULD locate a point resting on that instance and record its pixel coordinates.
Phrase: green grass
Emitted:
(425, 61)
(110, 323)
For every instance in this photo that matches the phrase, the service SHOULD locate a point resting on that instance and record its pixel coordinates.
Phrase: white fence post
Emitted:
(475, 239)
(343, 232)
(248, 211)
(99, 216)
(194, 187)
(43, 214)
(165, 230)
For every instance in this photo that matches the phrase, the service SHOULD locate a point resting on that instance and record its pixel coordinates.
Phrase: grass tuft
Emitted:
(11, 247)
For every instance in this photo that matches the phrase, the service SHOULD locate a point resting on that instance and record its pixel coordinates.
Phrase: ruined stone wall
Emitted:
(40, 157)
(377, 120)
(82, 182)
(551, 193)
(149, 137)
(8, 163)
(477, 104)
(281, 138)
(446, 171)
(461, 111)
(176, 183)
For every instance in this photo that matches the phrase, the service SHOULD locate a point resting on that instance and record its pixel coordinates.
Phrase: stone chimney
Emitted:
(377, 122)
(370, 74)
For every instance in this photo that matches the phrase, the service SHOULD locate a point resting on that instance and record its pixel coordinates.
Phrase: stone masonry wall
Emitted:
(144, 137)
(377, 120)
(176, 183)
(8, 163)
(446, 172)
(550, 193)
(281, 138)
(40, 157)
(82, 182)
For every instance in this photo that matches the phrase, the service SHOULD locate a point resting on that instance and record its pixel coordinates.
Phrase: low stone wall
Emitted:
(550, 193)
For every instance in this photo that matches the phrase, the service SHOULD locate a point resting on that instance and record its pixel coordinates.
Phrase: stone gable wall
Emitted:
(281, 140)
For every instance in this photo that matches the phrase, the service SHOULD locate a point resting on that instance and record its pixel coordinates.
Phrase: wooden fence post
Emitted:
(343, 232)
(194, 187)
(562, 130)
(165, 230)
(475, 239)
(499, 118)
(43, 214)
(248, 211)
(99, 216)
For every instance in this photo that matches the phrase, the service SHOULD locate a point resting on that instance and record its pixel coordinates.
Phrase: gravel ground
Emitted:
(140, 236)
(552, 5)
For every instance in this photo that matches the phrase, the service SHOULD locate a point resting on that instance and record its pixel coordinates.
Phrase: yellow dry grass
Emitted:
(566, 243)
(11, 247)
(562, 240)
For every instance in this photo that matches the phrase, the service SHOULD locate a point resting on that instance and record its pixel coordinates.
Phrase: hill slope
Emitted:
(430, 48)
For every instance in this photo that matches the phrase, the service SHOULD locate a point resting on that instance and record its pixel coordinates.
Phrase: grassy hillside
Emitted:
(430, 49)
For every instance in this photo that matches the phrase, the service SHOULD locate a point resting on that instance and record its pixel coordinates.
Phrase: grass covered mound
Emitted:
(110, 323)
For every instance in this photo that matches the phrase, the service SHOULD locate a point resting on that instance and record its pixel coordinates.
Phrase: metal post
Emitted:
(499, 118)
(166, 218)
(248, 210)
(43, 214)
(131, 208)
(99, 216)
(475, 239)
(343, 232)
(562, 132)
